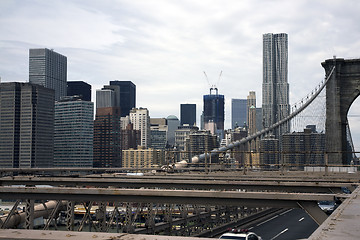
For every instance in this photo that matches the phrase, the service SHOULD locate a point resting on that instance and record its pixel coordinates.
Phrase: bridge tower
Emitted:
(342, 89)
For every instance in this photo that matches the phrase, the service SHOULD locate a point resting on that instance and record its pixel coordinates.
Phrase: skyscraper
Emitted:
(107, 129)
(74, 131)
(251, 112)
(79, 88)
(49, 69)
(127, 96)
(173, 123)
(214, 113)
(140, 119)
(238, 112)
(107, 137)
(275, 102)
(188, 114)
(26, 125)
(105, 98)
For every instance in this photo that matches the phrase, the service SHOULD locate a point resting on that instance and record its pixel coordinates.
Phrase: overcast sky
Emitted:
(164, 46)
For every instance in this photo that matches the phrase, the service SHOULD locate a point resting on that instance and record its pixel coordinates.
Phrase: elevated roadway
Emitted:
(175, 183)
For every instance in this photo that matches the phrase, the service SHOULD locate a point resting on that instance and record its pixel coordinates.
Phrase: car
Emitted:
(240, 234)
(327, 206)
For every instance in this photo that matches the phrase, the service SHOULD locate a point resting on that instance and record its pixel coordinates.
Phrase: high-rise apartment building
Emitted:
(200, 142)
(74, 131)
(238, 113)
(143, 158)
(275, 97)
(182, 133)
(127, 96)
(214, 113)
(26, 125)
(49, 69)
(140, 119)
(79, 88)
(269, 152)
(303, 148)
(130, 138)
(188, 114)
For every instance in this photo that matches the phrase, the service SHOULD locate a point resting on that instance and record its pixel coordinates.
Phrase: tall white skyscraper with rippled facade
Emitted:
(275, 89)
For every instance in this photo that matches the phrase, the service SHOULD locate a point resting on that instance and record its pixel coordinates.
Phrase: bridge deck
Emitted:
(343, 223)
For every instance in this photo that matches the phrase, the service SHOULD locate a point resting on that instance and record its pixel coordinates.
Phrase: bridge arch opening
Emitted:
(354, 123)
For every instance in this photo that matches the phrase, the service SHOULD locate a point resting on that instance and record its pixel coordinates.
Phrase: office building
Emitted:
(214, 113)
(158, 139)
(140, 119)
(105, 98)
(116, 93)
(49, 69)
(74, 131)
(107, 128)
(259, 119)
(275, 97)
(158, 133)
(127, 95)
(238, 113)
(188, 114)
(79, 88)
(251, 112)
(26, 125)
(173, 123)
(107, 137)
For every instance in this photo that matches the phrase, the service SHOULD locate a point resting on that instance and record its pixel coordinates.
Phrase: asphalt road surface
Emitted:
(291, 224)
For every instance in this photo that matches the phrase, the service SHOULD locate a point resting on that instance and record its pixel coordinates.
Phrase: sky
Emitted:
(164, 47)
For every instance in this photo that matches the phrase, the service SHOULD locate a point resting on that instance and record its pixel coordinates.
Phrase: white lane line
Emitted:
(286, 212)
(250, 228)
(301, 219)
(283, 231)
(267, 220)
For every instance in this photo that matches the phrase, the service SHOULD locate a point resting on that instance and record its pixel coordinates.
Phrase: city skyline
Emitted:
(164, 51)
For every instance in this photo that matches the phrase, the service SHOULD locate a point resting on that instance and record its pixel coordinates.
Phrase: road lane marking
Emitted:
(267, 220)
(283, 231)
(286, 212)
(301, 219)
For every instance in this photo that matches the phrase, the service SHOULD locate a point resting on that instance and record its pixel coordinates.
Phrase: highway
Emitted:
(291, 224)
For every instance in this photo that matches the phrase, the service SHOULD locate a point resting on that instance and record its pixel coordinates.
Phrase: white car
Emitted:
(240, 235)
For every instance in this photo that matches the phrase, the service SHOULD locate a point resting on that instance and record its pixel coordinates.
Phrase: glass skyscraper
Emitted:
(49, 69)
(74, 131)
(188, 114)
(214, 111)
(127, 96)
(26, 125)
(79, 88)
(275, 97)
(238, 112)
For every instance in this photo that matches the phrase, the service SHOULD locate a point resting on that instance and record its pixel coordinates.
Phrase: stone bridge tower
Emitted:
(342, 89)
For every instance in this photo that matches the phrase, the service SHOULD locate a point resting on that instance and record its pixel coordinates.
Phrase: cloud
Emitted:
(164, 46)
